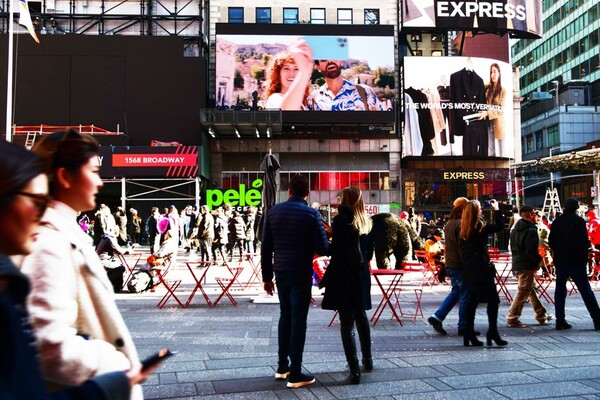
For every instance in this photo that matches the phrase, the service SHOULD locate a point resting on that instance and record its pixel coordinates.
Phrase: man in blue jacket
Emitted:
(293, 233)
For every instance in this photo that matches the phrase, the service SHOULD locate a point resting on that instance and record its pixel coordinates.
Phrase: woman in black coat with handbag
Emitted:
(347, 280)
(479, 275)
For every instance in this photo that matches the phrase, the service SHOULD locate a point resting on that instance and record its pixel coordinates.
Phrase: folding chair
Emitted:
(410, 266)
(225, 283)
(160, 272)
(130, 262)
(431, 269)
(164, 270)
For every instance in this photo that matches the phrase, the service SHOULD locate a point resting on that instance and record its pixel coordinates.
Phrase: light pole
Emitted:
(552, 173)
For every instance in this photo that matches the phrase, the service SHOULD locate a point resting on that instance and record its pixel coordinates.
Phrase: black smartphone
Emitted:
(156, 358)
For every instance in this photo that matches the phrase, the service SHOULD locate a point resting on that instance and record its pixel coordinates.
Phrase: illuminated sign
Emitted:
(148, 162)
(458, 106)
(237, 198)
(461, 175)
(250, 71)
(522, 18)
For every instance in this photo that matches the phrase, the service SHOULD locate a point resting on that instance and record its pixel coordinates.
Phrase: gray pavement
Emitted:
(229, 352)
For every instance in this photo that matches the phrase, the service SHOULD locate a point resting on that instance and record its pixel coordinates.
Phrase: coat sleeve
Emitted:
(531, 247)
(66, 355)
(320, 243)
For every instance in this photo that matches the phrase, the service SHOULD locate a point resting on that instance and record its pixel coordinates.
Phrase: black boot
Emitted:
(347, 332)
(364, 336)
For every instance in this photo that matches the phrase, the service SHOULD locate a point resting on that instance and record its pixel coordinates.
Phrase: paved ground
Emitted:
(230, 353)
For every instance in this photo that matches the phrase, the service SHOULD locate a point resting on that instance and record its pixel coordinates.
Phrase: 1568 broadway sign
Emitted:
(241, 197)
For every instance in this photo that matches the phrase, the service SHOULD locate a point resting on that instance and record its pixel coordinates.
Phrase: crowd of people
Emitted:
(54, 291)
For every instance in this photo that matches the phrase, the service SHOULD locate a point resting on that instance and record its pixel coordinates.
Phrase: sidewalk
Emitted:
(231, 353)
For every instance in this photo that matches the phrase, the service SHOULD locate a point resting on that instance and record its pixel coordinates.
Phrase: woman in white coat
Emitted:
(80, 331)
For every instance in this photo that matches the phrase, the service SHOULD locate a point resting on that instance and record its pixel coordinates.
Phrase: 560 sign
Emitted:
(241, 197)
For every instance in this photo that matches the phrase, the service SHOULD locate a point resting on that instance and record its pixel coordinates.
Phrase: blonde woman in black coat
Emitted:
(348, 280)
(479, 276)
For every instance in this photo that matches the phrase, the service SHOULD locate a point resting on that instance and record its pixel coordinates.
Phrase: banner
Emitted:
(523, 18)
(148, 162)
(458, 106)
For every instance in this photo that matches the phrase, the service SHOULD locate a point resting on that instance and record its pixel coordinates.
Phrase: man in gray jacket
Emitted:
(524, 242)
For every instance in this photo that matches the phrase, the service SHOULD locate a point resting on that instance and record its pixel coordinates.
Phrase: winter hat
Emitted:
(571, 205)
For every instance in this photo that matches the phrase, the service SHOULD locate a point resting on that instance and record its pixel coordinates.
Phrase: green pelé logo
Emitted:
(241, 197)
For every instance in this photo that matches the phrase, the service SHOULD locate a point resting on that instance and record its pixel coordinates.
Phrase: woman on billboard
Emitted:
(494, 96)
(289, 78)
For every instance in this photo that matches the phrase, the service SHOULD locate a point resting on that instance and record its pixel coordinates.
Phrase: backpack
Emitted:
(140, 282)
(115, 276)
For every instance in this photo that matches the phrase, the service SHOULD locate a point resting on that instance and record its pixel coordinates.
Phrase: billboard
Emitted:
(457, 106)
(522, 18)
(335, 68)
(149, 162)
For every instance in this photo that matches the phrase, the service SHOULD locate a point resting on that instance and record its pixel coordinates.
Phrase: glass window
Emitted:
(371, 16)
(553, 135)
(344, 16)
(317, 15)
(236, 15)
(539, 140)
(290, 15)
(263, 15)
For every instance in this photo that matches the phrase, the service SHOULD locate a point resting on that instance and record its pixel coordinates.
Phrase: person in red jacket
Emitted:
(594, 228)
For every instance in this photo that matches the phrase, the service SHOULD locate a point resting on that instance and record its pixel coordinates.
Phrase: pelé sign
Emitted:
(240, 197)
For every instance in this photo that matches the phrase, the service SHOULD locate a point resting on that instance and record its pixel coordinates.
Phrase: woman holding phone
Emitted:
(79, 328)
(23, 200)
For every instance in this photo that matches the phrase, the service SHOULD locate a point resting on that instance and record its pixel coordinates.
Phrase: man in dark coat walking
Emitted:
(570, 243)
(293, 233)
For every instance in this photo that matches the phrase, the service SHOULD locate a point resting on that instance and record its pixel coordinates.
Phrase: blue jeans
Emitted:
(458, 293)
(294, 291)
(580, 278)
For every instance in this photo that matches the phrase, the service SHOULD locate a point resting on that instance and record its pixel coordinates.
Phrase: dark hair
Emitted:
(65, 149)
(299, 186)
(18, 167)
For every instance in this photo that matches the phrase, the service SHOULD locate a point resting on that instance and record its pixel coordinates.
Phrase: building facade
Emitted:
(560, 87)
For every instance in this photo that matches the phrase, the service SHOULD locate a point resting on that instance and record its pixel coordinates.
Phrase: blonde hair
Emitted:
(470, 220)
(352, 197)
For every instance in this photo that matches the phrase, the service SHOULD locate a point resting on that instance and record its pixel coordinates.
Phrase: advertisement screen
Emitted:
(305, 68)
(457, 106)
(523, 18)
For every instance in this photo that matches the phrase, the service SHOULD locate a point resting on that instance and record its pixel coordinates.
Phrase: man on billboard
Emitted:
(339, 94)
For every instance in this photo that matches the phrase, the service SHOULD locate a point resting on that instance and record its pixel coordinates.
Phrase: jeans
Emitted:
(525, 291)
(458, 293)
(294, 291)
(347, 319)
(580, 278)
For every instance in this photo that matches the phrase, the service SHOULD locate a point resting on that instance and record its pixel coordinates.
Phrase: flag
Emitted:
(25, 19)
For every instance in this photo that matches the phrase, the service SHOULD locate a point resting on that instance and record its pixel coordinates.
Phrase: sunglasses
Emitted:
(40, 201)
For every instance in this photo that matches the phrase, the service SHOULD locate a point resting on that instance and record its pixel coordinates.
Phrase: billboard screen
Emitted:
(457, 106)
(149, 162)
(335, 68)
(523, 18)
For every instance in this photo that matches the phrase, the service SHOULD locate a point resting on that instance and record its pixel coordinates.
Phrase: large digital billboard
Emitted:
(458, 106)
(523, 18)
(334, 68)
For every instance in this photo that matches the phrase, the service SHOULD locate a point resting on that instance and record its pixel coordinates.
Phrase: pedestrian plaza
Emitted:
(227, 352)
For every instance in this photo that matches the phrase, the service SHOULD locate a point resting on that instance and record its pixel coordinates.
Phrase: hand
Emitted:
(302, 54)
(136, 376)
(494, 204)
(269, 287)
(482, 115)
